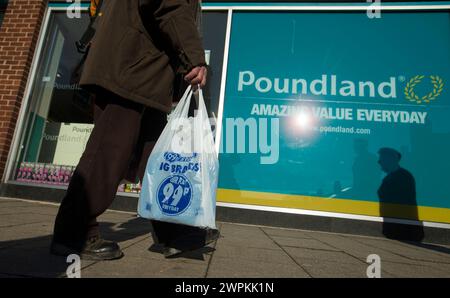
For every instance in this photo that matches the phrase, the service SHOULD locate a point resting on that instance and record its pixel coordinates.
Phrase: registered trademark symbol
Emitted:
(401, 78)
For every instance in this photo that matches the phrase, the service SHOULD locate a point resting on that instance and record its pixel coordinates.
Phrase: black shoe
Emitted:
(190, 242)
(94, 249)
(211, 236)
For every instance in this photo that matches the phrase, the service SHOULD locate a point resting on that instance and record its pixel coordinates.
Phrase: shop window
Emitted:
(59, 118)
(214, 29)
(309, 140)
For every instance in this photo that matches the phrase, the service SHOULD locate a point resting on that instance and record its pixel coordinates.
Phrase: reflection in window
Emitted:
(59, 115)
(214, 29)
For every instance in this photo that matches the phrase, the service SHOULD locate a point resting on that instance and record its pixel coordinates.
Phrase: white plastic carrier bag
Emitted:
(181, 176)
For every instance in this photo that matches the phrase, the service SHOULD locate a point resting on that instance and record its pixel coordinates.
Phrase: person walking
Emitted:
(139, 48)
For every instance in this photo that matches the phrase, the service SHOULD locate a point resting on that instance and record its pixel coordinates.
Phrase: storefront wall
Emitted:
(304, 97)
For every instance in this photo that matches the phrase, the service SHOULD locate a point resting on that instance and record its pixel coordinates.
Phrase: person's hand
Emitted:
(197, 76)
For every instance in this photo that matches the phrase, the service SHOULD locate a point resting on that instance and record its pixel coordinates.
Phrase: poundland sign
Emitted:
(334, 86)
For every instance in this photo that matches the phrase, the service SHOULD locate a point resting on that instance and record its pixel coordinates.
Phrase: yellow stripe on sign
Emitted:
(421, 213)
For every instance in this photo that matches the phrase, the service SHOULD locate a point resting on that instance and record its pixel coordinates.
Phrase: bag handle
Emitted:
(182, 108)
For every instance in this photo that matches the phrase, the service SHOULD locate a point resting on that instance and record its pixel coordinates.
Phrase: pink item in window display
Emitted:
(51, 173)
(31, 173)
(55, 175)
(39, 173)
(45, 175)
(20, 172)
(26, 174)
(34, 176)
(60, 175)
(66, 175)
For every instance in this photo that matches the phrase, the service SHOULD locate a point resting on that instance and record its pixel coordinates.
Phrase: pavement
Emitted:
(241, 251)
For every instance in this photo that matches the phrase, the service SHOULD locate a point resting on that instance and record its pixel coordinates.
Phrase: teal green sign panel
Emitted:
(312, 97)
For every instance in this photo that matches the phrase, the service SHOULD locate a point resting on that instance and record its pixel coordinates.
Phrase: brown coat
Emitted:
(139, 47)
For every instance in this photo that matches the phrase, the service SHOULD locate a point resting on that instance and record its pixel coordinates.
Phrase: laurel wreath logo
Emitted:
(438, 86)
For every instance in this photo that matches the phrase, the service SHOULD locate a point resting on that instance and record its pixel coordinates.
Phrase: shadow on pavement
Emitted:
(197, 254)
(437, 248)
(31, 257)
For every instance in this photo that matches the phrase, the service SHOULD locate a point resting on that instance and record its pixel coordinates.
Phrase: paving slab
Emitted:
(16, 219)
(322, 255)
(136, 266)
(413, 271)
(302, 243)
(288, 233)
(248, 242)
(240, 229)
(245, 236)
(43, 210)
(441, 267)
(408, 251)
(235, 267)
(33, 261)
(325, 269)
(9, 235)
(360, 250)
(4, 203)
(252, 254)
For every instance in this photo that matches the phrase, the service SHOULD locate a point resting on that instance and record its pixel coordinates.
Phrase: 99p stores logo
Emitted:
(174, 195)
(178, 164)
